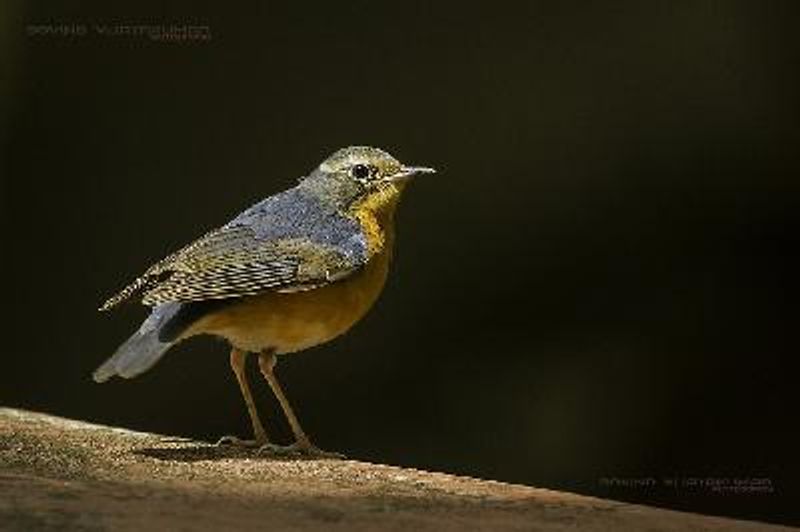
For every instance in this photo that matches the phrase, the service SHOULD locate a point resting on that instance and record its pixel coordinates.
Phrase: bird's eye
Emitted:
(360, 171)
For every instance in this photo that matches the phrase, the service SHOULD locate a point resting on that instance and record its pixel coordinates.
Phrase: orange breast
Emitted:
(289, 322)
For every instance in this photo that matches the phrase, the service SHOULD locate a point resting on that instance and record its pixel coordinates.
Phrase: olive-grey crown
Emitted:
(362, 163)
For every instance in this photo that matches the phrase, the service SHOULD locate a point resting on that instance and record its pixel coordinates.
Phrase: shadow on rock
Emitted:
(206, 452)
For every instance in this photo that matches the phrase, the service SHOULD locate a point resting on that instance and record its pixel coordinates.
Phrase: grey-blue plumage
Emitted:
(142, 350)
(301, 213)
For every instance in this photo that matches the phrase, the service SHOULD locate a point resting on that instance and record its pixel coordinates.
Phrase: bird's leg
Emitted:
(267, 361)
(238, 358)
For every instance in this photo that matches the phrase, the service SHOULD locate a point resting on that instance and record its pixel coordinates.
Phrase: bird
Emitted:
(295, 270)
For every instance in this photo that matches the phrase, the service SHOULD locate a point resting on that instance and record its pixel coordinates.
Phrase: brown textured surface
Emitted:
(57, 473)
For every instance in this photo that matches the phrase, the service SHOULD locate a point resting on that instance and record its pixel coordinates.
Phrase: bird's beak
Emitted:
(410, 171)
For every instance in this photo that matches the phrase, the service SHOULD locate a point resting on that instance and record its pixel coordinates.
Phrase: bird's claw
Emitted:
(235, 441)
(297, 449)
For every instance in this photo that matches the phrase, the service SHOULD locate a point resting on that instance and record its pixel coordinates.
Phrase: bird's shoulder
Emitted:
(297, 214)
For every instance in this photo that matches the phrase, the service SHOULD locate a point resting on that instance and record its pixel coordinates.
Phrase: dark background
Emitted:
(600, 282)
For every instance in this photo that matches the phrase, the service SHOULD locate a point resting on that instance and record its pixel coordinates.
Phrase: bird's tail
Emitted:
(142, 350)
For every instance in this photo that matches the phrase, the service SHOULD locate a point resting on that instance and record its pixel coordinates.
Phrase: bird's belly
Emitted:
(290, 322)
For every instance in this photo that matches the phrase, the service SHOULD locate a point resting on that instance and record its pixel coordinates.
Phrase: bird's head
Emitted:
(364, 176)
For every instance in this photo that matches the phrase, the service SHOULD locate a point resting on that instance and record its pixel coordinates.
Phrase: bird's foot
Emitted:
(235, 441)
(300, 449)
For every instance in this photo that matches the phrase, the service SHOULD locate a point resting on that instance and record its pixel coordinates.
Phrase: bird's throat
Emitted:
(375, 214)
